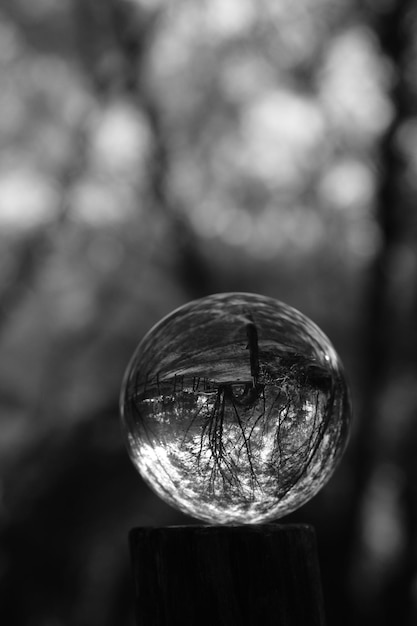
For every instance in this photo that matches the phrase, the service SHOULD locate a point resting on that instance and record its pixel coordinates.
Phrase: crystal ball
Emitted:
(235, 409)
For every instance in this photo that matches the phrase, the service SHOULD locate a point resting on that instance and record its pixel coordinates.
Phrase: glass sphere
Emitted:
(235, 408)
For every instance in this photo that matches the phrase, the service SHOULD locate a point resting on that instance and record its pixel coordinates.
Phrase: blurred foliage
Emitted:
(153, 152)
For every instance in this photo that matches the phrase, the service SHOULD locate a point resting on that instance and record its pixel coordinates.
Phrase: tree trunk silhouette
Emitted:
(387, 323)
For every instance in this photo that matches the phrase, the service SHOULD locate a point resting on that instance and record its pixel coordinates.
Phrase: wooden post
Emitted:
(258, 575)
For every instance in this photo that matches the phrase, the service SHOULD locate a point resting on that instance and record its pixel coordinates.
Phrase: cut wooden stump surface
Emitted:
(257, 575)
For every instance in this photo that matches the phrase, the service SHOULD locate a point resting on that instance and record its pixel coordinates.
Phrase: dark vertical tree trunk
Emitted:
(389, 323)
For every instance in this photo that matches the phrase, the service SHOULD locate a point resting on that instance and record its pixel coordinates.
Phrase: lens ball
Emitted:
(235, 409)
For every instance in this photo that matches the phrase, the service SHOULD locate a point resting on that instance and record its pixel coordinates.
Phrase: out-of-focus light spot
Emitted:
(354, 85)
(27, 200)
(97, 202)
(282, 135)
(119, 141)
(171, 58)
(382, 528)
(230, 18)
(348, 184)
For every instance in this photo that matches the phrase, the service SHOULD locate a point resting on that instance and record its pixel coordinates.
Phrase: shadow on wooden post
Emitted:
(260, 575)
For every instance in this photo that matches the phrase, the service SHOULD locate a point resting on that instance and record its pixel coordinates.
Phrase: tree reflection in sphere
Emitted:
(235, 408)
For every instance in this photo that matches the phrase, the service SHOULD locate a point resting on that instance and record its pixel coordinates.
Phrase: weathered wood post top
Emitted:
(266, 575)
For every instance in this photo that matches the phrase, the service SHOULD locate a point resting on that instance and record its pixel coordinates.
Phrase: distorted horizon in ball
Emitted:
(235, 408)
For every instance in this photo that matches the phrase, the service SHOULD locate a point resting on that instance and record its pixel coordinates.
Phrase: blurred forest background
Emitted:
(153, 152)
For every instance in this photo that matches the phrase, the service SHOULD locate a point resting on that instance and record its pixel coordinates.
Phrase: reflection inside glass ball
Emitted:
(235, 409)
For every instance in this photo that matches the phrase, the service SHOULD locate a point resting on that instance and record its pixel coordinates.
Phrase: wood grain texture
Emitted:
(260, 575)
